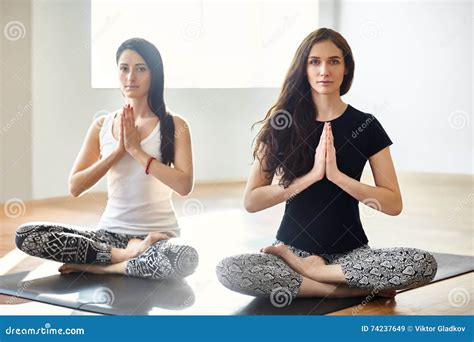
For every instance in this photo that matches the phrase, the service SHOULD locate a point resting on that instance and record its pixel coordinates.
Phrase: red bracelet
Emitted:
(148, 164)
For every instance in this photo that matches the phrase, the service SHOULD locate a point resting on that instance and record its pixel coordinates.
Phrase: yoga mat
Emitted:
(200, 294)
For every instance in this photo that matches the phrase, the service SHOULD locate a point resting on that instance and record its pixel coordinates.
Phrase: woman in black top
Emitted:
(317, 146)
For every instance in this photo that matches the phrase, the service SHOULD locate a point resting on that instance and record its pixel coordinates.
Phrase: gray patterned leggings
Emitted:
(364, 268)
(68, 244)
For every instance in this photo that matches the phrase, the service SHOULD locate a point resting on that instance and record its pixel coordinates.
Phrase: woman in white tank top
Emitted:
(145, 161)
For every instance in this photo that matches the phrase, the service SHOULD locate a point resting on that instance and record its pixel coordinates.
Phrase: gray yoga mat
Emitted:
(198, 294)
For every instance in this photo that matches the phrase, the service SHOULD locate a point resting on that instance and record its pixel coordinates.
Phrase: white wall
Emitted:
(412, 73)
(472, 80)
(2, 23)
(15, 101)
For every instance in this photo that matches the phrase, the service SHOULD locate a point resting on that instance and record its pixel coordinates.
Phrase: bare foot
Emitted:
(138, 246)
(71, 268)
(301, 265)
(118, 268)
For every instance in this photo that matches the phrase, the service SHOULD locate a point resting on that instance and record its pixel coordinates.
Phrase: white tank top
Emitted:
(137, 203)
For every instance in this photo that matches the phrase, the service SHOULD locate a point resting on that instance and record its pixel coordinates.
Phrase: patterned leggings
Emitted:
(66, 244)
(365, 268)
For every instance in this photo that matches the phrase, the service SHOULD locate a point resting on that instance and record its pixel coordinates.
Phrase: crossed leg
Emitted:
(382, 270)
(318, 278)
(135, 247)
(158, 259)
(106, 252)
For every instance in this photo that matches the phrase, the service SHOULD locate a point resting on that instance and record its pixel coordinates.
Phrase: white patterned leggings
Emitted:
(260, 274)
(67, 244)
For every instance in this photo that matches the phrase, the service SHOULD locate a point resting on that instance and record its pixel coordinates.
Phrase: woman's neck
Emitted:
(328, 107)
(140, 107)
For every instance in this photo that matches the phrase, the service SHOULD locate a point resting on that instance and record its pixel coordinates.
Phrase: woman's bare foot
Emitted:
(303, 266)
(118, 268)
(138, 246)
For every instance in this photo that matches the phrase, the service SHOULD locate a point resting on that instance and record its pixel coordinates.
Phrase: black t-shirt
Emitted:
(323, 218)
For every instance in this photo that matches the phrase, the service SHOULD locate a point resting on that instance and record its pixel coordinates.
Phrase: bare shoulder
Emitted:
(180, 121)
(180, 125)
(98, 122)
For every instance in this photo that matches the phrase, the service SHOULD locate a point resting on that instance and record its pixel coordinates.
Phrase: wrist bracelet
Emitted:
(148, 163)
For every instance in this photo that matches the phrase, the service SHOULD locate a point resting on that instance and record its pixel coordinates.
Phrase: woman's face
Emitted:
(325, 68)
(134, 75)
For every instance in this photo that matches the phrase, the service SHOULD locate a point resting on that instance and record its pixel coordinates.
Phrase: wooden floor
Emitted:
(437, 216)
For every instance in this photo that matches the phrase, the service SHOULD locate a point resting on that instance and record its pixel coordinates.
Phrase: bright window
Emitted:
(204, 44)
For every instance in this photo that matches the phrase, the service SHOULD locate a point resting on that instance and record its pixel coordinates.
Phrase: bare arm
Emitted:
(260, 194)
(88, 168)
(386, 193)
(180, 177)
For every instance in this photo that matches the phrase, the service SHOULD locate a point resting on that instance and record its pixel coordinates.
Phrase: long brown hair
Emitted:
(156, 102)
(290, 121)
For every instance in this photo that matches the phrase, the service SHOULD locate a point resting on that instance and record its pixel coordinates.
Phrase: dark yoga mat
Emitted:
(119, 295)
